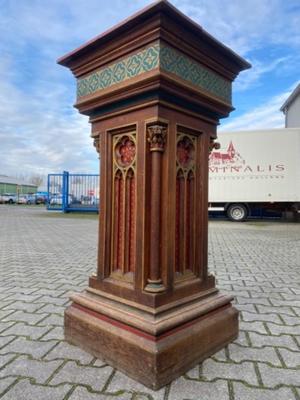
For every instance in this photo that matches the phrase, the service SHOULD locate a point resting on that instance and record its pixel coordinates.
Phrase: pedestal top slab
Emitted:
(156, 50)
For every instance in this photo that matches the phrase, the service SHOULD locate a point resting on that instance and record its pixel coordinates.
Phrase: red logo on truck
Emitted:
(232, 162)
(231, 156)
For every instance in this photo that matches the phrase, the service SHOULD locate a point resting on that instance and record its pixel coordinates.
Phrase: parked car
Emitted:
(31, 199)
(90, 200)
(8, 198)
(22, 199)
(41, 198)
(57, 200)
(86, 200)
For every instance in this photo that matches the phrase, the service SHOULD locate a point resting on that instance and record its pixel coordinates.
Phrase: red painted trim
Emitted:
(140, 333)
(114, 322)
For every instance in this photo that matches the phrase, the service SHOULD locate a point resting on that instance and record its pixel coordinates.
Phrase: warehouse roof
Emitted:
(291, 98)
(15, 181)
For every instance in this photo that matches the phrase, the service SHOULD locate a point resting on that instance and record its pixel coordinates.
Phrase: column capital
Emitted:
(213, 145)
(157, 137)
(96, 144)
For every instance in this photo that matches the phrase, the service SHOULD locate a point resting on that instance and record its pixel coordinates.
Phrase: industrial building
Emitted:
(15, 186)
(291, 109)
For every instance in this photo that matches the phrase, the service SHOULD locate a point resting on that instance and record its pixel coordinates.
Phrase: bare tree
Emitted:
(37, 180)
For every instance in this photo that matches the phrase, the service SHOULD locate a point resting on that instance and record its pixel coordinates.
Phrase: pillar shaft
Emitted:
(156, 139)
(155, 88)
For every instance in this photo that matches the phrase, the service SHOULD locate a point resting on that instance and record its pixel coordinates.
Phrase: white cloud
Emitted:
(249, 24)
(265, 116)
(36, 136)
(252, 76)
(41, 132)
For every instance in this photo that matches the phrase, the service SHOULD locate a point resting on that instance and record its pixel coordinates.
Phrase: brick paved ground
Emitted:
(43, 258)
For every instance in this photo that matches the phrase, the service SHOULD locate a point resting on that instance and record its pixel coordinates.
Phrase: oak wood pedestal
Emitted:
(154, 87)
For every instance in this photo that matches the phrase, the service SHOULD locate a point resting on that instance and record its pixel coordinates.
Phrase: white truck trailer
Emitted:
(255, 169)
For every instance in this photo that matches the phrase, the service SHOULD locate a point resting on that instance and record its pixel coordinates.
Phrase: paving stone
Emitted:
(255, 326)
(30, 318)
(81, 393)
(67, 351)
(278, 310)
(242, 339)
(5, 383)
(272, 376)
(23, 297)
(51, 300)
(4, 304)
(4, 293)
(92, 376)
(252, 290)
(54, 292)
(258, 300)
(281, 290)
(290, 320)
(245, 371)
(23, 390)
(4, 340)
(248, 308)
(195, 390)
(23, 366)
(22, 305)
(257, 285)
(123, 382)
(240, 278)
(220, 355)
(284, 329)
(5, 314)
(259, 340)
(242, 392)
(256, 263)
(4, 359)
(270, 296)
(36, 349)
(237, 293)
(290, 297)
(294, 302)
(99, 363)
(194, 373)
(291, 358)
(56, 333)
(248, 317)
(53, 319)
(5, 325)
(266, 354)
(21, 329)
(52, 309)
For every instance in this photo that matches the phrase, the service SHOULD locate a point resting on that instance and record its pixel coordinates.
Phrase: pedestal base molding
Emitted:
(153, 349)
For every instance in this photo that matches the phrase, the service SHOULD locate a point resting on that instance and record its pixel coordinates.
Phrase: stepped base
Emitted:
(152, 348)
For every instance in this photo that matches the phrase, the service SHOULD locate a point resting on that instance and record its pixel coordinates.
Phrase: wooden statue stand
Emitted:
(154, 87)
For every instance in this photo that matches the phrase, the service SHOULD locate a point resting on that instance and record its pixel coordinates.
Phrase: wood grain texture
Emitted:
(151, 309)
(153, 363)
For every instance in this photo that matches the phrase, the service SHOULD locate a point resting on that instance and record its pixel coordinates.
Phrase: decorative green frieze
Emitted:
(194, 73)
(132, 66)
(155, 56)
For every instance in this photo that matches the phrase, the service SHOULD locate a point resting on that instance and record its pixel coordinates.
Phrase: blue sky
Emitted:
(41, 132)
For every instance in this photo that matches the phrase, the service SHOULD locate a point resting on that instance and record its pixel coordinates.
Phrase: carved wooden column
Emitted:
(155, 88)
(157, 140)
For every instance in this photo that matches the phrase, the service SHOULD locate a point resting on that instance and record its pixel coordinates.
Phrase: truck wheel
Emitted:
(10, 201)
(237, 212)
